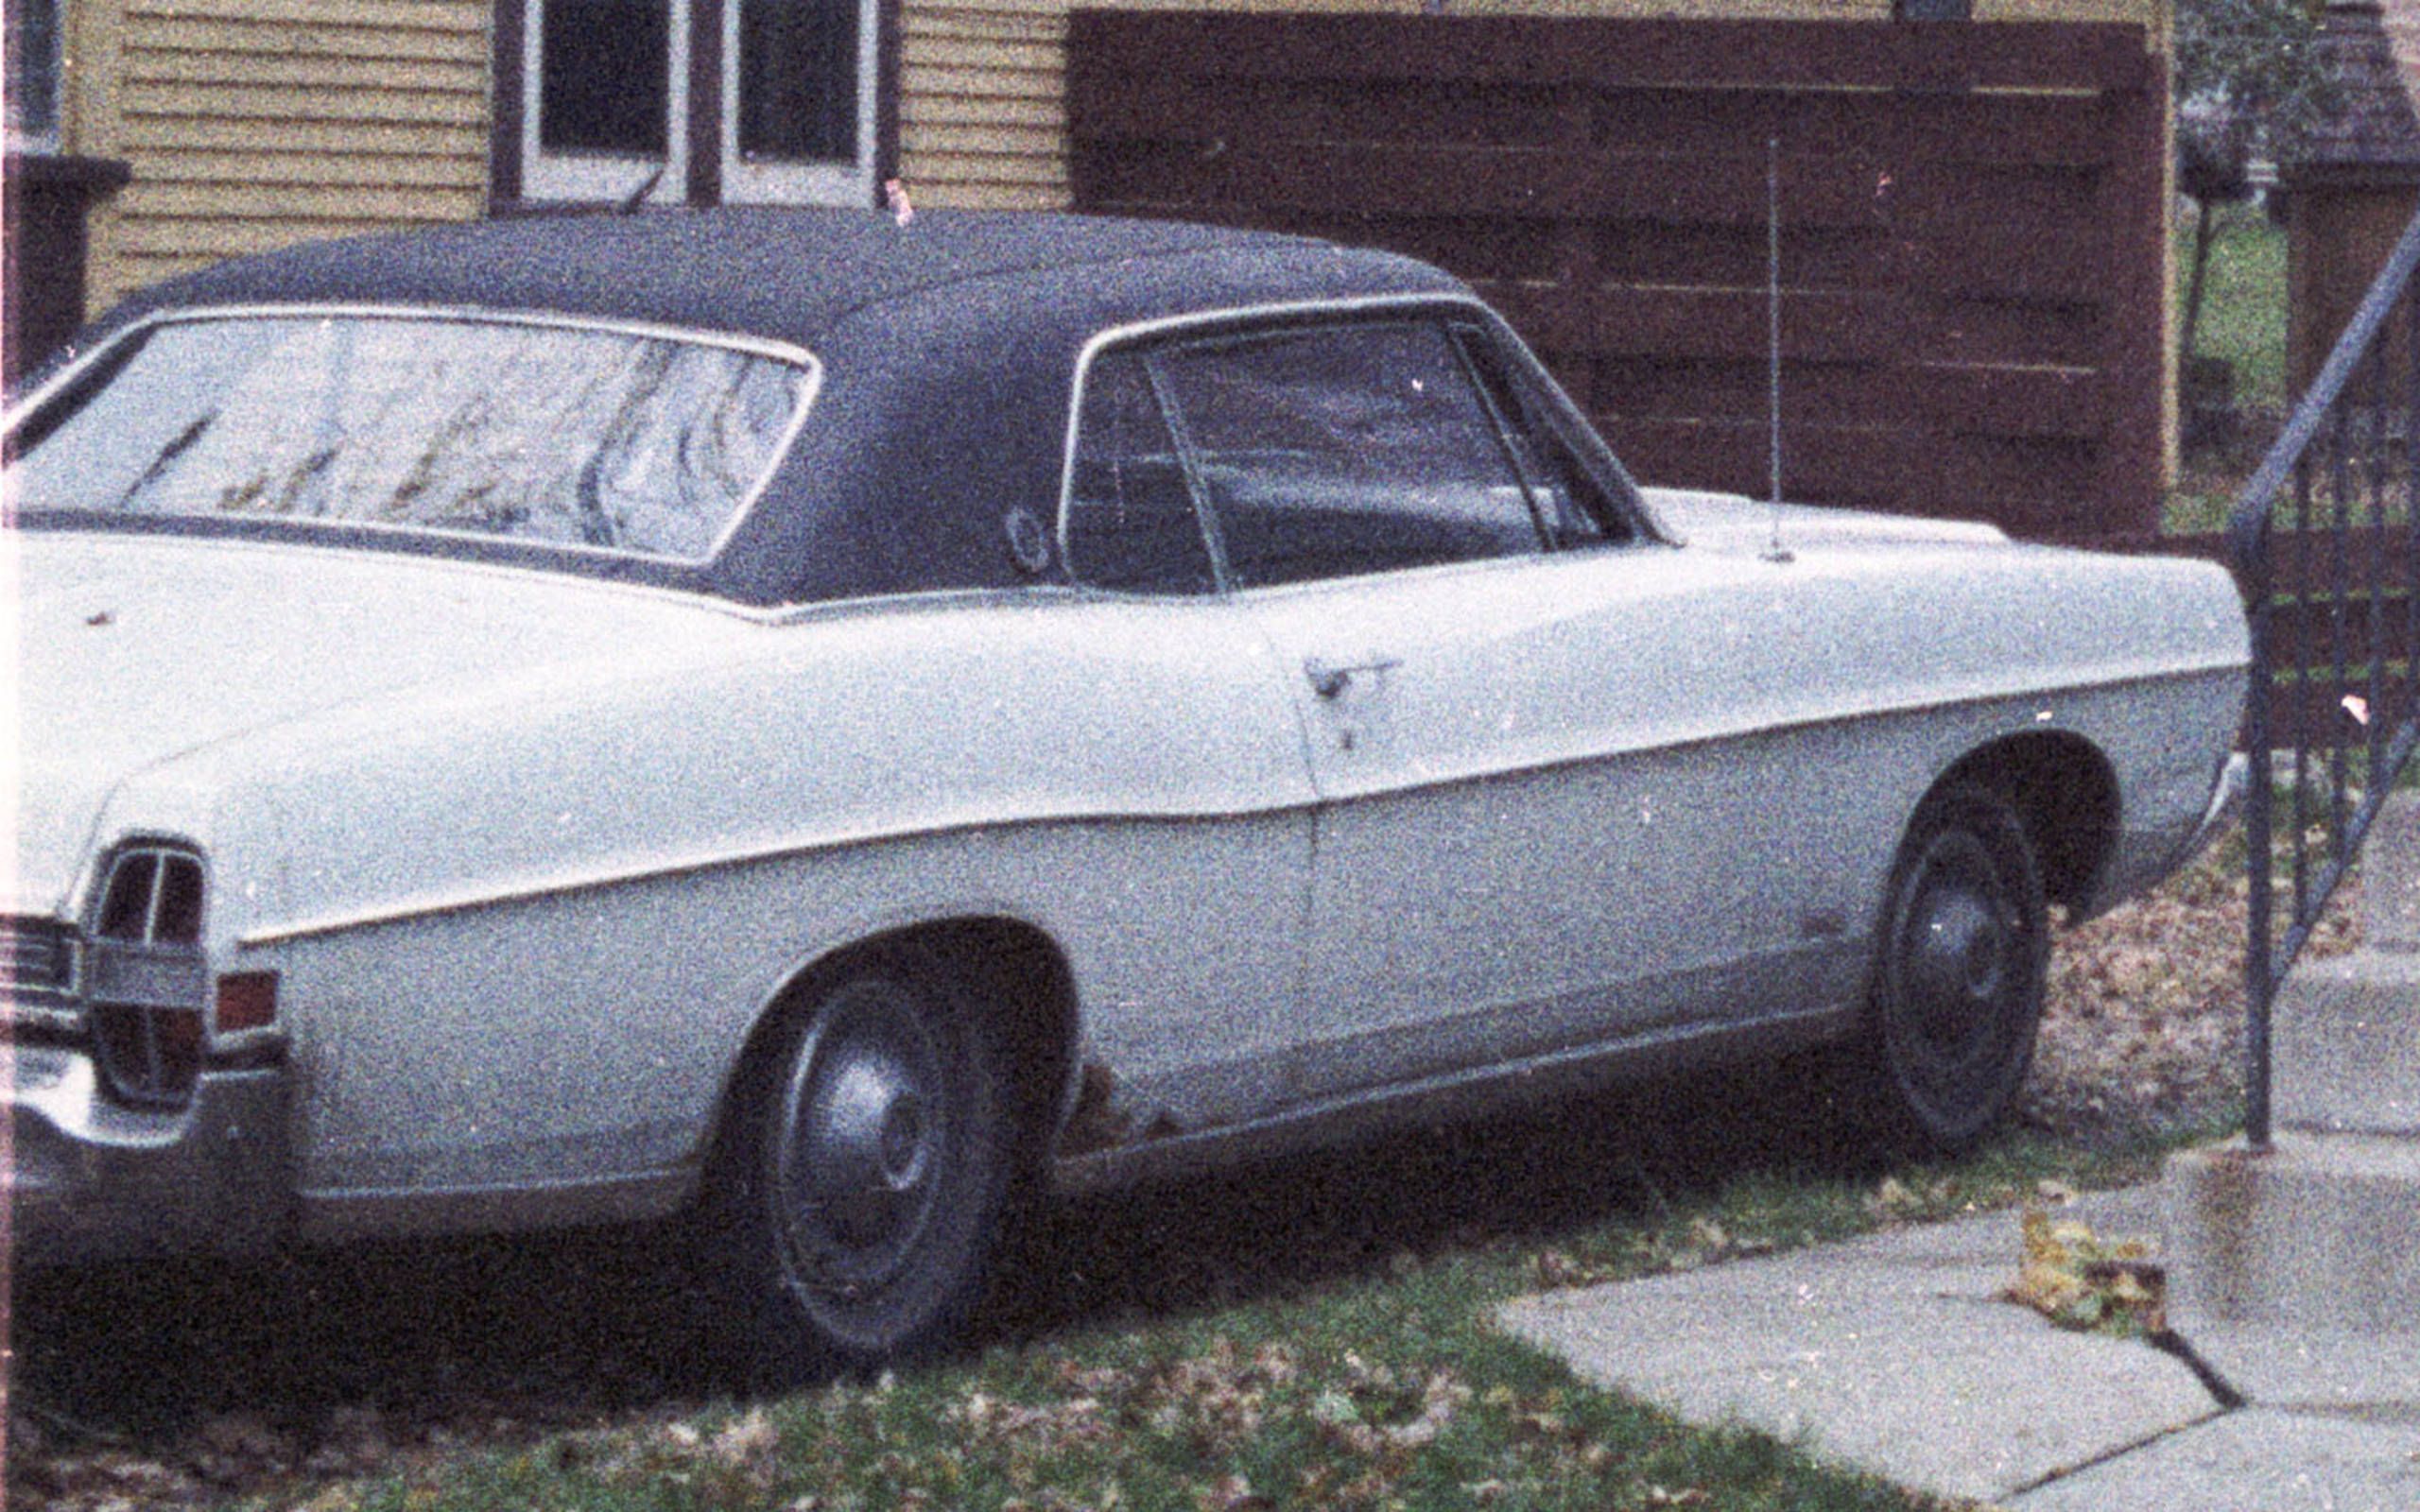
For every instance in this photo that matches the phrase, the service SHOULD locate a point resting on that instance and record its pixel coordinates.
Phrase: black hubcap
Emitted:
(861, 1144)
(1960, 974)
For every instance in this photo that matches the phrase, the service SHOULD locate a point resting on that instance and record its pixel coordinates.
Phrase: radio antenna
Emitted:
(1772, 334)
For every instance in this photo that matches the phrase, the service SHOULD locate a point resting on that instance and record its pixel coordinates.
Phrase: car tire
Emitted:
(852, 1215)
(1960, 955)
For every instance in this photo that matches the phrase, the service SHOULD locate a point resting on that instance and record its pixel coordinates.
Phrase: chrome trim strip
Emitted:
(149, 976)
(592, 880)
(1207, 321)
(754, 346)
(1454, 1096)
(340, 1213)
(809, 845)
(1575, 429)
(700, 599)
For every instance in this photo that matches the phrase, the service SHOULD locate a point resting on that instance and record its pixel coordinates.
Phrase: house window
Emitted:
(32, 37)
(716, 100)
(603, 73)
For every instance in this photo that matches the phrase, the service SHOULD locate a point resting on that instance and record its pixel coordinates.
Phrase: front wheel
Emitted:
(1960, 962)
(853, 1216)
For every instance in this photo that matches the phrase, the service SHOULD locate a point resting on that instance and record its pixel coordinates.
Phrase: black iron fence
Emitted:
(2326, 543)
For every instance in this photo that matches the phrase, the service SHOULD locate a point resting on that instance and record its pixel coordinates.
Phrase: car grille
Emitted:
(37, 960)
(133, 987)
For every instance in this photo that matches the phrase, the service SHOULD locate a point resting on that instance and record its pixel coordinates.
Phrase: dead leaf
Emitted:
(1231, 1494)
(2080, 1281)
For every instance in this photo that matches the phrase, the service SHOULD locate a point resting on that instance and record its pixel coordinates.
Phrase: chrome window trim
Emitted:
(782, 352)
(1166, 325)
(1447, 305)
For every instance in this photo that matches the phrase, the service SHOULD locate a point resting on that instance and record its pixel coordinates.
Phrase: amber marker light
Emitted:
(247, 1000)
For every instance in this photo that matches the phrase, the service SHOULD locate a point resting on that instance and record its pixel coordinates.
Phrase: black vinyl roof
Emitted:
(780, 273)
(949, 348)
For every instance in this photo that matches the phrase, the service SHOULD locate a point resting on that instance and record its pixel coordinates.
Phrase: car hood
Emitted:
(1735, 522)
(134, 651)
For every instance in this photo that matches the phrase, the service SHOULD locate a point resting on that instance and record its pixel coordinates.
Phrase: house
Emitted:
(183, 132)
(2349, 184)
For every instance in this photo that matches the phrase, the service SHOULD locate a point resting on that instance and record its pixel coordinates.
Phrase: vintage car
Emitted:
(841, 727)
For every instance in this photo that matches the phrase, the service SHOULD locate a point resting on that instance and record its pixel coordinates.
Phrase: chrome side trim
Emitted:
(755, 346)
(576, 881)
(609, 876)
(1452, 1097)
(361, 1213)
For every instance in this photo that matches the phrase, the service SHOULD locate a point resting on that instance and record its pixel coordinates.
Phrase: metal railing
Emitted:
(2326, 546)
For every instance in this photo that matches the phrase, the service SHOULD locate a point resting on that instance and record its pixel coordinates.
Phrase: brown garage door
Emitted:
(1970, 225)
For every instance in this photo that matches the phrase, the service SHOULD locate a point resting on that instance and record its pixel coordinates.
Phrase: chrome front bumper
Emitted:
(2224, 799)
(87, 1178)
(2143, 858)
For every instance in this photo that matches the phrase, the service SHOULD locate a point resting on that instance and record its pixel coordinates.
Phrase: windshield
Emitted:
(564, 435)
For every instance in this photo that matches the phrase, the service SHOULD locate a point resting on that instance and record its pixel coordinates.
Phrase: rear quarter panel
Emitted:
(524, 930)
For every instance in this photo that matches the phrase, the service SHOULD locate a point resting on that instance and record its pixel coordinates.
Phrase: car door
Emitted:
(1193, 1002)
(1523, 719)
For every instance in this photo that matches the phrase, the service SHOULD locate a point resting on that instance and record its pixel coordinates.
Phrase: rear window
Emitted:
(627, 441)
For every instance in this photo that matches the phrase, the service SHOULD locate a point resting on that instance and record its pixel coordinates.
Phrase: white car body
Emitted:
(533, 857)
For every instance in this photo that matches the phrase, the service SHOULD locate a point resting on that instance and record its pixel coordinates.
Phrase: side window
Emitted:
(1341, 450)
(1132, 524)
(1570, 501)
(31, 96)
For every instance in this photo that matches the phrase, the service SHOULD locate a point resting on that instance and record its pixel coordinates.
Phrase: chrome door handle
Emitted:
(1330, 679)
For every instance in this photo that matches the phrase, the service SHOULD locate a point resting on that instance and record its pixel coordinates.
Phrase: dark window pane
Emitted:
(1576, 509)
(798, 80)
(1346, 450)
(33, 66)
(605, 77)
(1130, 520)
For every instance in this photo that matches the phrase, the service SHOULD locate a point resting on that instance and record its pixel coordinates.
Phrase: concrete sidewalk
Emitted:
(1894, 1355)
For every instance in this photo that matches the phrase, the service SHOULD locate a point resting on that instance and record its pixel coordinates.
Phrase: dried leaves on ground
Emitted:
(2140, 1033)
(2142, 1027)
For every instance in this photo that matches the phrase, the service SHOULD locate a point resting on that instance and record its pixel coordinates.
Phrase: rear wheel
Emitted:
(852, 1215)
(1959, 970)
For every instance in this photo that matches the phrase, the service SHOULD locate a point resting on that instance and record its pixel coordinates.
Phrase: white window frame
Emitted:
(590, 177)
(802, 183)
(597, 175)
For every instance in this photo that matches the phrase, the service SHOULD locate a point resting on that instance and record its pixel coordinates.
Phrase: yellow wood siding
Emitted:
(253, 124)
(982, 109)
(983, 103)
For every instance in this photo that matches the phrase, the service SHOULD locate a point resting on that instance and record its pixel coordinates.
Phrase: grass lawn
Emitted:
(2243, 322)
(1314, 1334)
(2243, 299)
